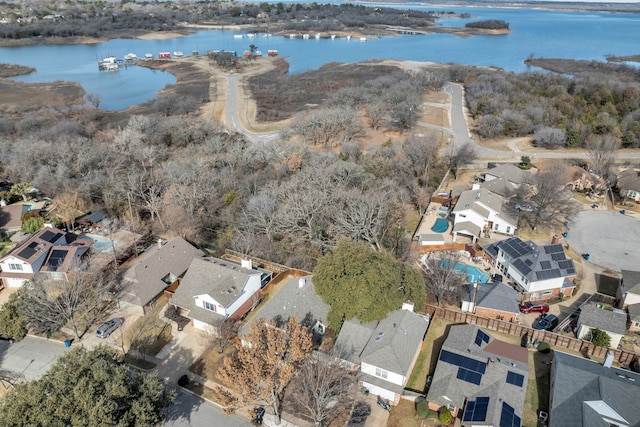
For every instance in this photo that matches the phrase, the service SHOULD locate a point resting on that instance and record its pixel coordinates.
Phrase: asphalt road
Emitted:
(28, 359)
(192, 411)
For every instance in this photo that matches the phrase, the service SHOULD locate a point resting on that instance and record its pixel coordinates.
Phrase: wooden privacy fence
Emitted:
(584, 347)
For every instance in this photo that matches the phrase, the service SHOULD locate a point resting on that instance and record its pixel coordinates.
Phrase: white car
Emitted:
(108, 327)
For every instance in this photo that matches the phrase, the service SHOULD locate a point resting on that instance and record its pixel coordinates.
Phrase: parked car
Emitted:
(108, 327)
(495, 277)
(384, 404)
(534, 307)
(546, 322)
(4, 337)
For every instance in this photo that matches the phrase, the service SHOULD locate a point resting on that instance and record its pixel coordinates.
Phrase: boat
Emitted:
(238, 36)
(305, 36)
(317, 36)
(108, 63)
(178, 54)
(251, 35)
(111, 67)
(292, 36)
(333, 36)
(363, 39)
(148, 55)
(348, 37)
(266, 35)
(130, 57)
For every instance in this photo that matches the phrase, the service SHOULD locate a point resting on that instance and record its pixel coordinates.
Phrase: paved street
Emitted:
(30, 358)
(192, 411)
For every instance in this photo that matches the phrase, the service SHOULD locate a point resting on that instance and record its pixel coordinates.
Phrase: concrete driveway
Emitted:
(28, 359)
(611, 239)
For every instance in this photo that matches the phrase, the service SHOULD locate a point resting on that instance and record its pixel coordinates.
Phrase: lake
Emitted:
(552, 34)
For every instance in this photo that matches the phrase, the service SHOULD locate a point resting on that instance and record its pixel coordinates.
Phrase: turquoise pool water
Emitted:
(474, 274)
(441, 225)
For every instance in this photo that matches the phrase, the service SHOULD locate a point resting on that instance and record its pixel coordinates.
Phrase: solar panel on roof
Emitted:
(462, 361)
(548, 274)
(508, 417)
(56, 258)
(515, 379)
(28, 252)
(565, 264)
(476, 410)
(521, 267)
(553, 249)
(481, 337)
(50, 236)
(545, 265)
(558, 256)
(469, 376)
(571, 271)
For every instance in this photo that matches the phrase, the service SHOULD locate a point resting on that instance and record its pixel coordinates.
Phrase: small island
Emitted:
(12, 70)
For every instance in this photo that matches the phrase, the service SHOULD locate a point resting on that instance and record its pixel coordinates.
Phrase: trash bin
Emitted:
(565, 234)
(67, 343)
(622, 211)
(586, 256)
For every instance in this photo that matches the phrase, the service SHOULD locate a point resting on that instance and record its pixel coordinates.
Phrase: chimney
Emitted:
(408, 305)
(475, 186)
(301, 282)
(159, 243)
(247, 263)
(608, 359)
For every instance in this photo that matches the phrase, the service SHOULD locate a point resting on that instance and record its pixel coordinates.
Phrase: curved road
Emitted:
(458, 119)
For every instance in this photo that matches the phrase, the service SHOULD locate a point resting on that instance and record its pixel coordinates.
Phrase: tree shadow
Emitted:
(170, 370)
(606, 284)
(542, 368)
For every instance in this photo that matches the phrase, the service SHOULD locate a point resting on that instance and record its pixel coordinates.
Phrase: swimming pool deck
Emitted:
(429, 220)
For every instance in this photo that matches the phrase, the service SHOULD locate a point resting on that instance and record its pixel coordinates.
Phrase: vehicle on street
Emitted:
(108, 327)
(534, 307)
(546, 322)
(4, 337)
(259, 414)
(384, 404)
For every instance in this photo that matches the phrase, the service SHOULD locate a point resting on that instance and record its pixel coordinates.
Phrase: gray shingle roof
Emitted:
(467, 226)
(631, 280)
(500, 186)
(352, 339)
(508, 172)
(224, 281)
(606, 320)
(474, 199)
(628, 180)
(500, 358)
(495, 296)
(582, 388)
(292, 299)
(395, 341)
(143, 280)
(634, 312)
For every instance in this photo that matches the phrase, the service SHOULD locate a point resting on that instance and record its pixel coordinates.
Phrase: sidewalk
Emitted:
(179, 354)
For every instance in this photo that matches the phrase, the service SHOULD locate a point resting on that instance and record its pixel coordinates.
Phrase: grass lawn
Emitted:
(418, 379)
(148, 334)
(411, 220)
(207, 365)
(404, 415)
(537, 397)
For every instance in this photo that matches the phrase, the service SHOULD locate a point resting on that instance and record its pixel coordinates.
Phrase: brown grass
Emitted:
(404, 415)
(208, 364)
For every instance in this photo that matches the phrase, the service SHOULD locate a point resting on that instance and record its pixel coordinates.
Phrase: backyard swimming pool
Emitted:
(440, 226)
(474, 274)
(101, 243)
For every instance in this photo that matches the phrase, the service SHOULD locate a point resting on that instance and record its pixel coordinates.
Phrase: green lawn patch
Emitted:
(537, 397)
(418, 378)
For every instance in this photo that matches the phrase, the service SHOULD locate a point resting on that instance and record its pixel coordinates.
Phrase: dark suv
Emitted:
(545, 322)
(534, 307)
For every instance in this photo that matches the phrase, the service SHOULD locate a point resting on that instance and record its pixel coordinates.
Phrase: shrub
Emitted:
(543, 347)
(33, 224)
(422, 408)
(445, 416)
(600, 337)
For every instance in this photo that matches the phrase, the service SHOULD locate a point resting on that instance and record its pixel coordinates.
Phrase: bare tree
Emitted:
(94, 99)
(68, 206)
(321, 388)
(546, 199)
(260, 371)
(422, 152)
(463, 156)
(224, 336)
(601, 151)
(442, 280)
(48, 305)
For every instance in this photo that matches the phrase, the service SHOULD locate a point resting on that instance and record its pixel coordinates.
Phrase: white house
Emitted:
(214, 290)
(613, 322)
(540, 272)
(385, 351)
(49, 252)
(481, 211)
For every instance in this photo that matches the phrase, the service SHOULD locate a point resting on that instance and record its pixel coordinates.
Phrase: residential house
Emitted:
(480, 379)
(539, 272)
(585, 393)
(580, 179)
(385, 351)
(628, 294)
(158, 268)
(504, 179)
(481, 211)
(495, 300)
(214, 290)
(49, 252)
(613, 322)
(628, 184)
(11, 217)
(90, 222)
(296, 297)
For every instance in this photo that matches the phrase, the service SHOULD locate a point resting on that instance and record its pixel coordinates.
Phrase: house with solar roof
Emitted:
(480, 379)
(585, 393)
(538, 272)
(49, 252)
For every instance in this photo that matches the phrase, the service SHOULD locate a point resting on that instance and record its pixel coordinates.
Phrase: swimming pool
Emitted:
(474, 274)
(440, 226)
(101, 243)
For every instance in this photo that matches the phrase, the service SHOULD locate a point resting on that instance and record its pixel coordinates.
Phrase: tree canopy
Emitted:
(12, 324)
(87, 388)
(355, 280)
(260, 371)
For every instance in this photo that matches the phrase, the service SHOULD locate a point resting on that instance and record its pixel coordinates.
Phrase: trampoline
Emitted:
(440, 226)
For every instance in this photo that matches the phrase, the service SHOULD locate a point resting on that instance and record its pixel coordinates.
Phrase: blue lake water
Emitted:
(551, 34)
